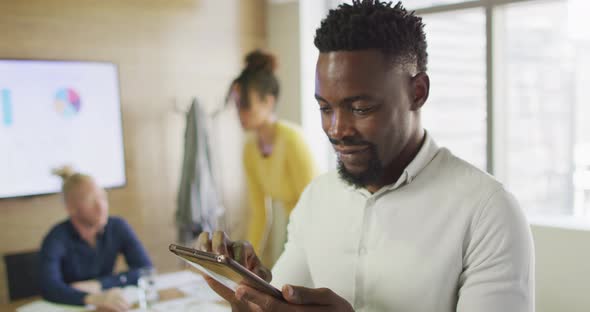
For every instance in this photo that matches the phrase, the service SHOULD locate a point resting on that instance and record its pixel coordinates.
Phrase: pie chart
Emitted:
(67, 102)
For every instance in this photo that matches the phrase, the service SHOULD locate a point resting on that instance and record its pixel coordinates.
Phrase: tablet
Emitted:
(224, 270)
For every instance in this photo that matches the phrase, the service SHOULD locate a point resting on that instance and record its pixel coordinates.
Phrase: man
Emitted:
(78, 255)
(404, 225)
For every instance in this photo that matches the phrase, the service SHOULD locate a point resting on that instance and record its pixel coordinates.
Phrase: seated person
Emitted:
(78, 255)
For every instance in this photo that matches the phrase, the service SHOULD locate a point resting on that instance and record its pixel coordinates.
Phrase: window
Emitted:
(541, 144)
(409, 4)
(537, 78)
(419, 4)
(455, 113)
(547, 141)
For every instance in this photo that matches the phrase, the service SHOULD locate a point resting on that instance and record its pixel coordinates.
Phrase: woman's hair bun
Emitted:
(261, 61)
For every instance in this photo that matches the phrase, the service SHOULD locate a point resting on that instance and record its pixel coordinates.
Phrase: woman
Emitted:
(78, 255)
(278, 163)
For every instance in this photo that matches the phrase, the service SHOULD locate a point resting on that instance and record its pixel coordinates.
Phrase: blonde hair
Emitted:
(70, 178)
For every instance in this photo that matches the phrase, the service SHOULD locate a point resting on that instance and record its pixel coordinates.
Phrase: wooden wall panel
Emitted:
(166, 51)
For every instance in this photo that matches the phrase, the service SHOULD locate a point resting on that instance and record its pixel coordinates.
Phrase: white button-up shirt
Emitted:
(445, 237)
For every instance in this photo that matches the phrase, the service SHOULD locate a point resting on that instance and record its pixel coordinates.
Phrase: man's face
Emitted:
(88, 204)
(366, 107)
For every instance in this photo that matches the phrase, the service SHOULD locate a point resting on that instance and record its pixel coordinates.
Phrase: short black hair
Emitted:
(372, 24)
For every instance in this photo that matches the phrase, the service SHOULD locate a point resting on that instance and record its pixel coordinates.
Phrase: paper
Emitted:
(190, 284)
(44, 306)
(131, 294)
(201, 292)
(199, 296)
(187, 305)
(176, 279)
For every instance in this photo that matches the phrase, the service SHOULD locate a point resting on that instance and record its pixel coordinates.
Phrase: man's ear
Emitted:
(420, 85)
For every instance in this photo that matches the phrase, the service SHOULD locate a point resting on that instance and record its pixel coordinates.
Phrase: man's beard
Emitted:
(92, 223)
(372, 174)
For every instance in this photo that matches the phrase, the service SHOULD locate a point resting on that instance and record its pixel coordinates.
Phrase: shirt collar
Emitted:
(75, 235)
(425, 155)
(422, 159)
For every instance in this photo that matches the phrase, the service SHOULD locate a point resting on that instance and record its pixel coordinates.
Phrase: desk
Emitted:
(170, 288)
(11, 307)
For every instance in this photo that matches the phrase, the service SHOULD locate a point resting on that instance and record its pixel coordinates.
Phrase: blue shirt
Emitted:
(66, 258)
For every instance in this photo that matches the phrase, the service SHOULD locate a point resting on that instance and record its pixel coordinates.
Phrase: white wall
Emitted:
(311, 13)
(283, 40)
(563, 269)
(291, 28)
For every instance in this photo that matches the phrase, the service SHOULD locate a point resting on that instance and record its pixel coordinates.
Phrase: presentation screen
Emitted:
(55, 113)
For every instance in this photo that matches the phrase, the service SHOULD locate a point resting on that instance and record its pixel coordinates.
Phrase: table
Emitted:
(177, 290)
(19, 303)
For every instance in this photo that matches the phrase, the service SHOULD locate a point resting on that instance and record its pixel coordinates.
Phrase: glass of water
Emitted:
(146, 284)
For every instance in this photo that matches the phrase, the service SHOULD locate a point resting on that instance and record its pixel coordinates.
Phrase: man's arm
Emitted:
(135, 256)
(498, 272)
(52, 285)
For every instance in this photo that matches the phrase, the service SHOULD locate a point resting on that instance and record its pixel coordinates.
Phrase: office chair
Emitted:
(22, 274)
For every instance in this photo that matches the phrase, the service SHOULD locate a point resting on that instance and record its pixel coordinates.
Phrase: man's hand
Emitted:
(240, 251)
(111, 300)
(299, 299)
(90, 286)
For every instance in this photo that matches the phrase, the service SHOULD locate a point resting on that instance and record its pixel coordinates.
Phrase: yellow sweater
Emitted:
(282, 176)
